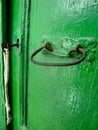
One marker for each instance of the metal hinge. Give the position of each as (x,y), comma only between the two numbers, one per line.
(7,45)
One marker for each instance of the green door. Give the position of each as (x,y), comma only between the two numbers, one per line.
(54,98)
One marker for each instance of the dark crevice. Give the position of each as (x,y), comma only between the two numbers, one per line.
(8,10)
(8,24)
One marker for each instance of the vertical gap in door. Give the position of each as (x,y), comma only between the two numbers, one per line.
(8,4)
(27,53)
(3,37)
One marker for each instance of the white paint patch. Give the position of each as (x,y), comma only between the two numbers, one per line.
(6,80)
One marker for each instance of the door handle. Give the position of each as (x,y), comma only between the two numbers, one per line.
(79,49)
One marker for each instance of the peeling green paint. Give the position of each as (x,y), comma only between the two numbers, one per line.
(61,49)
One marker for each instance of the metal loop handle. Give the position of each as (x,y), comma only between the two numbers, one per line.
(48,46)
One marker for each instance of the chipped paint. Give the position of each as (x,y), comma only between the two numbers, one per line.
(6,80)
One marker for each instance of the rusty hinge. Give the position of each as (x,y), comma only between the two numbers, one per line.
(7,45)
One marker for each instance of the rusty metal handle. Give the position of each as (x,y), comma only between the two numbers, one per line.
(79,49)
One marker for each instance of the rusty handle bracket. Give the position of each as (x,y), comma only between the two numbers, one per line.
(79,49)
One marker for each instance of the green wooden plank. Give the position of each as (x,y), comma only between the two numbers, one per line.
(16,25)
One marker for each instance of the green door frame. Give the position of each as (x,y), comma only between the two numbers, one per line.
(9,32)
(19,59)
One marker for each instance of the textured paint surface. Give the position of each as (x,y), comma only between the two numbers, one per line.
(64,98)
